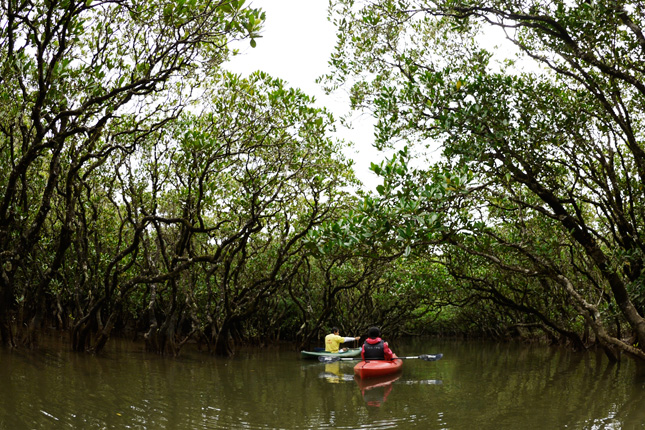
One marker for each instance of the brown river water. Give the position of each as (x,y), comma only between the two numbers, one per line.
(476,385)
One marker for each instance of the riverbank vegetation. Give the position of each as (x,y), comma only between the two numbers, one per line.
(146,191)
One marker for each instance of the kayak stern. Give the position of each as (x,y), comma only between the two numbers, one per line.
(377,368)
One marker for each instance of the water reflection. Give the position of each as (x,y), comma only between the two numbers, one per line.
(475,385)
(423,382)
(375,391)
(334,374)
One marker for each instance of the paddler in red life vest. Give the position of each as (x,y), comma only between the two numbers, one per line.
(374,347)
(333,340)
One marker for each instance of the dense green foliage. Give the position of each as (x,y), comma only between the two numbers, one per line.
(143,189)
(536,206)
(147,191)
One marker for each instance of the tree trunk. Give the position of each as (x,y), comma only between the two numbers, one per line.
(6,299)
(223,345)
(104,334)
(152,342)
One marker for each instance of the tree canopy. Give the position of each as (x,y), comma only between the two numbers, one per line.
(147,191)
(536,204)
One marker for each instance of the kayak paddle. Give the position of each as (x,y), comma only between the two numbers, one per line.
(424,357)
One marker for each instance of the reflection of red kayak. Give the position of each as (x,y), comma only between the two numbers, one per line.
(377,381)
(375,390)
(374,368)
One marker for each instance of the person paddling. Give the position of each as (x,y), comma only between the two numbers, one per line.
(333,340)
(375,348)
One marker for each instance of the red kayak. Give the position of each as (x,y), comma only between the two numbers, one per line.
(374,368)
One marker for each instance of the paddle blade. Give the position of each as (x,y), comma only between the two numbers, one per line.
(431,357)
(324,359)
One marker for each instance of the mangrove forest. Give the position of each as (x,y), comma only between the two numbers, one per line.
(147,192)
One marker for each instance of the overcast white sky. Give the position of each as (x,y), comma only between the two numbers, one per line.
(296,44)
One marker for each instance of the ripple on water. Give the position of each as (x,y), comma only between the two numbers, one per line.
(475,385)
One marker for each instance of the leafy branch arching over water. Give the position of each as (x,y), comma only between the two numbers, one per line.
(547,226)
(147,192)
(143,189)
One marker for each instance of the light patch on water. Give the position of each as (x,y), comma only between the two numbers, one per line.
(49,415)
(607,423)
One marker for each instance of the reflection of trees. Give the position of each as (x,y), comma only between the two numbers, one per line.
(484,386)
(511,385)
